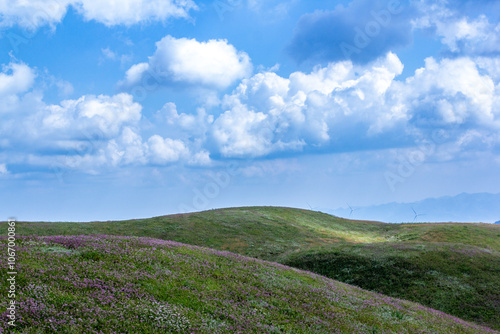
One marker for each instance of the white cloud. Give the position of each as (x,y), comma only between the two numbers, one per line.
(461,34)
(491,65)
(104,131)
(242,132)
(130,12)
(89,134)
(337,106)
(16,78)
(100,115)
(128,148)
(357,106)
(36,13)
(16,81)
(134,74)
(267,113)
(213,64)
(32,14)
(201,158)
(192,124)
(165,150)
(108,54)
(455,89)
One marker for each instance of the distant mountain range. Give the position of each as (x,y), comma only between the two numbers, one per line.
(479,207)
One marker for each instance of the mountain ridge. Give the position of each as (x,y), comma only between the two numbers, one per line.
(464,207)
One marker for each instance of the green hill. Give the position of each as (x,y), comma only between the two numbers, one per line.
(110,284)
(451,267)
(268,232)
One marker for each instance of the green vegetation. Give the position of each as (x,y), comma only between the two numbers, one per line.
(451,267)
(457,279)
(268,232)
(109,284)
(258,232)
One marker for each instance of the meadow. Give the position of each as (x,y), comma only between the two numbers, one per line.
(111,284)
(454,268)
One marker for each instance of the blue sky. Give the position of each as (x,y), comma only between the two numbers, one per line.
(115,110)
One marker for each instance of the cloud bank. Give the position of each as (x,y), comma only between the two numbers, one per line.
(342,106)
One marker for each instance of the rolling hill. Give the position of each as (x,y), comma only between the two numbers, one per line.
(451,267)
(97,284)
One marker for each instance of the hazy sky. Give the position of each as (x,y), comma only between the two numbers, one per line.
(136,108)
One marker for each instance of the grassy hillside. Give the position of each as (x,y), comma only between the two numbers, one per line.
(263,232)
(451,267)
(457,279)
(96,284)
(268,232)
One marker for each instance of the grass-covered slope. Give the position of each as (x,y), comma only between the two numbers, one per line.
(109,284)
(457,279)
(451,267)
(263,232)
(268,232)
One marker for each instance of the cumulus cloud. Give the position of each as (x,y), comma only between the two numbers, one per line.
(344,106)
(243,132)
(3,169)
(16,78)
(102,115)
(37,13)
(129,148)
(183,124)
(268,113)
(126,149)
(459,32)
(451,92)
(104,130)
(164,150)
(89,134)
(213,64)
(361,32)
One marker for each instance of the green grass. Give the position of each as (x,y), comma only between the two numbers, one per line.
(426,263)
(456,279)
(259,232)
(267,232)
(109,284)
(481,235)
